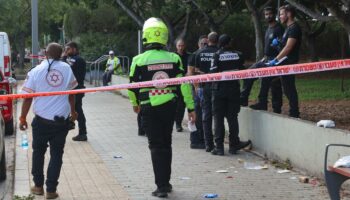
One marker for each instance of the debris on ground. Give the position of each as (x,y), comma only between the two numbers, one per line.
(184,178)
(222,171)
(229,177)
(282,164)
(210,196)
(116,157)
(283,171)
(253,166)
(240,160)
(304,179)
(326,124)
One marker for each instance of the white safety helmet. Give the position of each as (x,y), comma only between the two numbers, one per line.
(111,52)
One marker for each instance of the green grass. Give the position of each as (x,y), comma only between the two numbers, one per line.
(315,89)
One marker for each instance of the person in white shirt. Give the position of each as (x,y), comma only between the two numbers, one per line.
(50,124)
(112,67)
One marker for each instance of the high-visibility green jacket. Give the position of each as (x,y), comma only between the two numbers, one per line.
(116,65)
(153,65)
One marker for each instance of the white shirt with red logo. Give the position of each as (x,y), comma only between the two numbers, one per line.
(59,78)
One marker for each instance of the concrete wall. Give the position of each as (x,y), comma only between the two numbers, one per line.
(281,137)
(116,80)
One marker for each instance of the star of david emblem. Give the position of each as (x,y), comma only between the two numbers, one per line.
(157,33)
(54,77)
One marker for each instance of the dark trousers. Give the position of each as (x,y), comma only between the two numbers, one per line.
(226,104)
(107,77)
(197,137)
(207,119)
(289,89)
(47,132)
(141,130)
(81,117)
(158,123)
(180,111)
(276,89)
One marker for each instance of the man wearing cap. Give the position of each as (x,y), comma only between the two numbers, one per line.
(226,97)
(112,67)
(51,121)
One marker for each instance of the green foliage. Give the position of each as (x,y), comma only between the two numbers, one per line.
(76,21)
(315,89)
(94,44)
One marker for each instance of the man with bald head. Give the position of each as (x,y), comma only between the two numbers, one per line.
(202,66)
(51,122)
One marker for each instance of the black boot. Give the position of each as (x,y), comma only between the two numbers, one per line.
(161,193)
(80,137)
(217,151)
(241,145)
(258,106)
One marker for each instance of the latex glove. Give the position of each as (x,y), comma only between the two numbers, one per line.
(272,62)
(200,93)
(23,125)
(275,42)
(192,117)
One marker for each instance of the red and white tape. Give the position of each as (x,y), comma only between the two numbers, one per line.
(223,76)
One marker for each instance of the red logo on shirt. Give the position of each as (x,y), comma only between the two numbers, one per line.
(54,78)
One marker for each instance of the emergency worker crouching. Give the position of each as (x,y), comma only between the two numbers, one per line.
(158,104)
(226,97)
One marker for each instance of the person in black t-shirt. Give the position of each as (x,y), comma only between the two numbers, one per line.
(273,32)
(78,65)
(180,111)
(203,62)
(289,54)
(225,97)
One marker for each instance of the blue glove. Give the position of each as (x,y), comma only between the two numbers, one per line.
(272,62)
(275,42)
(200,93)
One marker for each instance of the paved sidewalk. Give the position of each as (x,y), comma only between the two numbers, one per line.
(115,164)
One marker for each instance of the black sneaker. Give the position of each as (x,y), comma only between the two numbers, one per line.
(241,145)
(197,146)
(80,138)
(258,106)
(209,148)
(219,152)
(160,193)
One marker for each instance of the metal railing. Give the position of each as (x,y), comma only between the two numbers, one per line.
(95,66)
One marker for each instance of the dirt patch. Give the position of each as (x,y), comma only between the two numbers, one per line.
(336,110)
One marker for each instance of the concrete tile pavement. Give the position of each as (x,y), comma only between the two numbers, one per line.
(84,176)
(112,131)
(116,164)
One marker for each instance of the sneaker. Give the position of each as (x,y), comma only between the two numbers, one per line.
(197,146)
(160,193)
(80,138)
(219,152)
(209,148)
(258,106)
(51,195)
(239,146)
(37,190)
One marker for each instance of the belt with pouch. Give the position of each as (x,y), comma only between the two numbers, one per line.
(58,121)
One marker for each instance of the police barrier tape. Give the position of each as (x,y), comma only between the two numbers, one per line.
(223,76)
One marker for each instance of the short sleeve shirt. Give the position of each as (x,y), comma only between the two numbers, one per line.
(293,31)
(59,78)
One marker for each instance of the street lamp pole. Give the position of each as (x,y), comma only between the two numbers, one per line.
(35,35)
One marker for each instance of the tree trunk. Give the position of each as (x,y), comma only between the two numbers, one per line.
(131,13)
(257,28)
